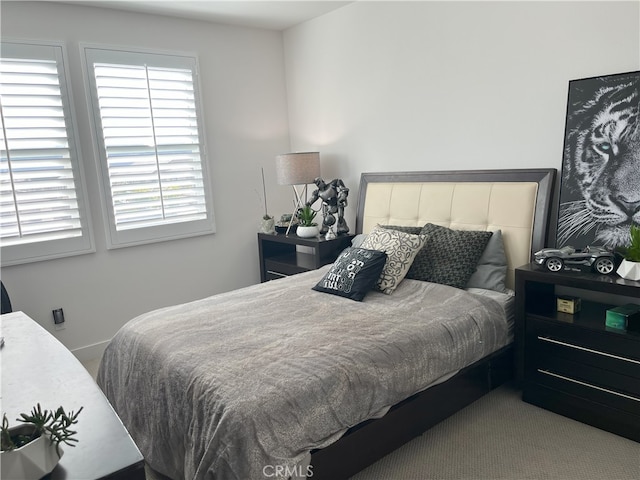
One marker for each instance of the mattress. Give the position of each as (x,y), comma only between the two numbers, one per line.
(237,384)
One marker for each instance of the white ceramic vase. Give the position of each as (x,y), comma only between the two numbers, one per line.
(629,270)
(31,461)
(307,232)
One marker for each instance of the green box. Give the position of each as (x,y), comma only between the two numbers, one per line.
(624,316)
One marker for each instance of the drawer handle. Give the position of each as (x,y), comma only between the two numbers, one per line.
(577,347)
(547,372)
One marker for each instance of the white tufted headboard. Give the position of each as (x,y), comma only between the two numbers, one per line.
(515,201)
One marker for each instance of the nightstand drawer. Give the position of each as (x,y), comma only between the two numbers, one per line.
(279,265)
(583,389)
(585,410)
(270,275)
(590,373)
(548,349)
(606,342)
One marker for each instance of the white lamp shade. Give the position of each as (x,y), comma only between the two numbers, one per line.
(297,168)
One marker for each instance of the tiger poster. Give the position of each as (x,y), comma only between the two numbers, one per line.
(600,187)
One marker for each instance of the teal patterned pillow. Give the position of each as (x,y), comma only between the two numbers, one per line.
(449,256)
(401,248)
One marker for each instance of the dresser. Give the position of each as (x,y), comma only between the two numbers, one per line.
(573,364)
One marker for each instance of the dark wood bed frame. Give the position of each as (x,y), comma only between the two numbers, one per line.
(369,441)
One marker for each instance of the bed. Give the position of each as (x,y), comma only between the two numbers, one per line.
(257,383)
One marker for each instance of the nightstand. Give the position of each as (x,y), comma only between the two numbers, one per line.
(280,257)
(573,364)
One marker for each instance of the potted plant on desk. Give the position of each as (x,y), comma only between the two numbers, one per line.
(630,266)
(307,228)
(32,450)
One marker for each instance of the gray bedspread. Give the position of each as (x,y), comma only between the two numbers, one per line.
(231,386)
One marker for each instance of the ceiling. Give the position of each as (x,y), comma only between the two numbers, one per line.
(273,15)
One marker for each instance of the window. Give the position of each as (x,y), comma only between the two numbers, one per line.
(149,133)
(42,209)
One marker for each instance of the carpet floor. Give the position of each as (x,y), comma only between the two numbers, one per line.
(501,437)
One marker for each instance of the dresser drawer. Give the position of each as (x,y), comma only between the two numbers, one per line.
(548,350)
(585,389)
(594,375)
(599,365)
(271,275)
(584,410)
(606,343)
(281,267)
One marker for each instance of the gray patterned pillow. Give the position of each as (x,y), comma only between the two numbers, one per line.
(491,271)
(358,239)
(401,248)
(405,229)
(449,256)
(412,231)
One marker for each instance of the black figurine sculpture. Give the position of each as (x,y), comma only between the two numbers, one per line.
(334,198)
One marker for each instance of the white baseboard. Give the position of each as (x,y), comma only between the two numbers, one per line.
(90,352)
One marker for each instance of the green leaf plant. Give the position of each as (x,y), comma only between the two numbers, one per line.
(55,424)
(631,252)
(306,215)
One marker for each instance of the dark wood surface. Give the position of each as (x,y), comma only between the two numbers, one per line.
(366,443)
(535,289)
(573,364)
(37,368)
(279,257)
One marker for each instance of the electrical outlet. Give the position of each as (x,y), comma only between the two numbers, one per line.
(58,319)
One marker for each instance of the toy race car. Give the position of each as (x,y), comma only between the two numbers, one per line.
(599,259)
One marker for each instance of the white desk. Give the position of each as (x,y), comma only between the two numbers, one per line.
(37,368)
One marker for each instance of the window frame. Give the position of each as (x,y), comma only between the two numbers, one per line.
(157,58)
(36,251)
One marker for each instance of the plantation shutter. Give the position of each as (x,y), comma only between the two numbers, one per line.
(146,111)
(39,190)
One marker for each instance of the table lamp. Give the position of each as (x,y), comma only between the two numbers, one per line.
(297,169)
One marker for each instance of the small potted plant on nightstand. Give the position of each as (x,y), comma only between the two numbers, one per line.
(32,450)
(307,228)
(630,266)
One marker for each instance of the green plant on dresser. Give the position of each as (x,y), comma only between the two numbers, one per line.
(630,266)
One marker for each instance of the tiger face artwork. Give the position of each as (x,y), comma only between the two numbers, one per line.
(600,193)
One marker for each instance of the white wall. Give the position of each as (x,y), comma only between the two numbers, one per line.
(242,78)
(374,86)
(386,86)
